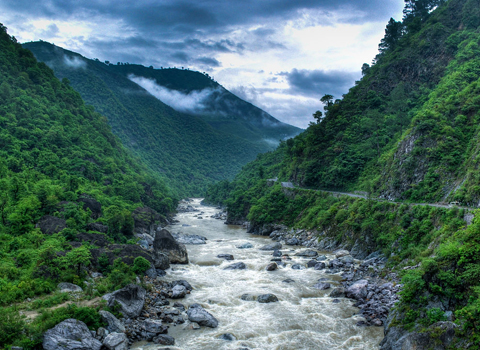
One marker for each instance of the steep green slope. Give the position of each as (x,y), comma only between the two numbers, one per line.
(407,131)
(220,108)
(185,149)
(60,163)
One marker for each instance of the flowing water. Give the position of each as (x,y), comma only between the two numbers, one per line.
(304,317)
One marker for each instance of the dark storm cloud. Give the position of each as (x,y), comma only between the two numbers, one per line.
(191,16)
(318,82)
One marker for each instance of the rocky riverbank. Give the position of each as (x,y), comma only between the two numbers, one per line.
(365,277)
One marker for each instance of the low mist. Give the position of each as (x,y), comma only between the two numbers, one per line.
(192,103)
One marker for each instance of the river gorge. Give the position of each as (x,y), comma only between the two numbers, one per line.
(303,318)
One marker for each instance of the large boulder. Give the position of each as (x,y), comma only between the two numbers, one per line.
(267,298)
(160,260)
(165,243)
(70,334)
(198,314)
(51,224)
(116,341)
(236,266)
(146,220)
(358,290)
(114,324)
(130,299)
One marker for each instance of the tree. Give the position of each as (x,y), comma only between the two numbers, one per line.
(393,32)
(318,116)
(365,68)
(327,100)
(417,12)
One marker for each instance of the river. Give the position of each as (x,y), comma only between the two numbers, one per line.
(303,318)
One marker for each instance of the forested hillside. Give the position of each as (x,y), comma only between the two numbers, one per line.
(188,151)
(62,173)
(407,131)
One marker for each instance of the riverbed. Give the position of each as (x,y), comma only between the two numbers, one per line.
(303,318)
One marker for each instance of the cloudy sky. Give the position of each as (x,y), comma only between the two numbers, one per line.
(281,55)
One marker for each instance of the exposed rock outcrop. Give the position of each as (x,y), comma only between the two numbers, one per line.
(130,299)
(70,334)
(165,243)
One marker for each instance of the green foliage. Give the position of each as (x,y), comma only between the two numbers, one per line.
(140,265)
(189,152)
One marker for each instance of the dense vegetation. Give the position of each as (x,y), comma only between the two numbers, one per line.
(407,131)
(188,151)
(56,154)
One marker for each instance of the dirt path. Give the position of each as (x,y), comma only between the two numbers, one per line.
(31,315)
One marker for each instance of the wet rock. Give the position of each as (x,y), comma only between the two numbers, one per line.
(70,334)
(272,246)
(338,292)
(292,241)
(320,266)
(347,259)
(178,292)
(321,258)
(267,298)
(308,253)
(154,326)
(248,297)
(227,337)
(358,290)
(298,267)
(179,306)
(189,239)
(276,259)
(225,256)
(341,253)
(335,301)
(51,224)
(312,263)
(165,243)
(160,273)
(198,314)
(164,339)
(195,325)
(114,324)
(245,246)
(116,341)
(151,273)
(182,283)
(236,266)
(65,287)
(288,280)
(131,300)
(322,286)
(277,253)
(271,267)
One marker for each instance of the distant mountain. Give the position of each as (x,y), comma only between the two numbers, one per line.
(210,136)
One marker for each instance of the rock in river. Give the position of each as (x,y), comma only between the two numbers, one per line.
(225,256)
(272,246)
(267,298)
(198,314)
(245,246)
(236,266)
(271,267)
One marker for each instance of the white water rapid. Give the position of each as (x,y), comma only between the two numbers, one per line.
(303,318)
